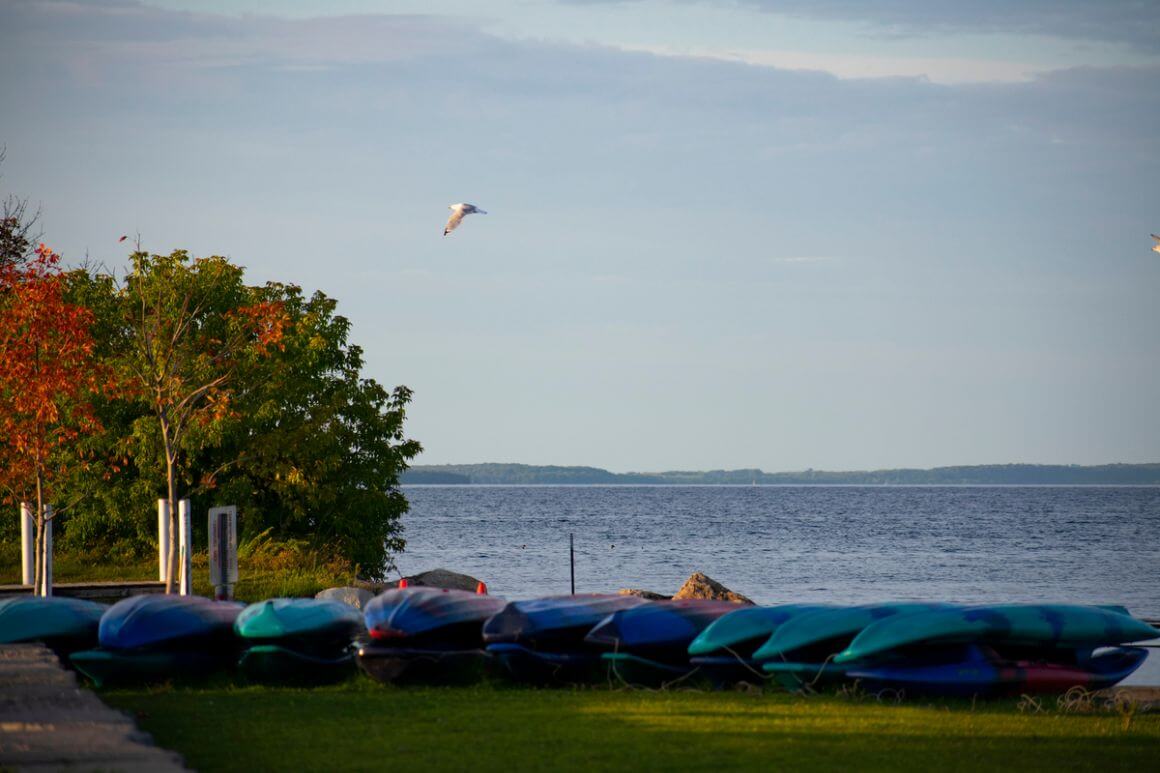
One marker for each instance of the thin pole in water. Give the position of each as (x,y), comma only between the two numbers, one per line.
(572,560)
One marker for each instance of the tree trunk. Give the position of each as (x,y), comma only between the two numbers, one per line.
(171,482)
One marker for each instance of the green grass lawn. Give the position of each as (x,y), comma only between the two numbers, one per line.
(361,725)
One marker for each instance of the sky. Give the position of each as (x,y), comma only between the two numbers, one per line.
(720,233)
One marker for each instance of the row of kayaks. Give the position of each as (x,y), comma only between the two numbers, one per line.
(431,635)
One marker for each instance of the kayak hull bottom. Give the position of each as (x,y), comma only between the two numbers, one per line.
(113,667)
(527,666)
(402,666)
(272,664)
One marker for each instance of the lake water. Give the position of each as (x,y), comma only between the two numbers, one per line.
(800,543)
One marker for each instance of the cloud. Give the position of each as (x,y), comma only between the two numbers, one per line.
(1131,22)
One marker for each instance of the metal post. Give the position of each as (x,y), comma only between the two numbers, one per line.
(223,551)
(46,589)
(162,539)
(27,545)
(183,544)
(572,560)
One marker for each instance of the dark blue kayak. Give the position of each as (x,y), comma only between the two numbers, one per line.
(163,621)
(430,617)
(973,669)
(60,622)
(554,623)
(660,631)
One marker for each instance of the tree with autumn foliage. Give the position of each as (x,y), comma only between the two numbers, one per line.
(47,382)
(192,325)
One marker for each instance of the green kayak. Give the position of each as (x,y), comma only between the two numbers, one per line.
(124,667)
(1039,625)
(271,664)
(827,631)
(743,630)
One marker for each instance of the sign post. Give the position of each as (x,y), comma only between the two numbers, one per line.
(46,580)
(184,543)
(162,539)
(223,551)
(27,544)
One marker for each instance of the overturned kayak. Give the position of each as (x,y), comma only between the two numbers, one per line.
(163,621)
(742,631)
(161,638)
(659,631)
(430,617)
(301,624)
(815,636)
(1036,625)
(298,641)
(971,669)
(555,622)
(61,623)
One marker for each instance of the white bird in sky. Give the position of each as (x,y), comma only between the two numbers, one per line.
(458,211)
(1156,246)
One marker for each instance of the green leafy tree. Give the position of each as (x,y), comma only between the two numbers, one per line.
(193,326)
(313,450)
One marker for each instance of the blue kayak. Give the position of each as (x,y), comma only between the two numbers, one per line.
(659,631)
(972,669)
(556,622)
(60,622)
(531,666)
(164,621)
(430,617)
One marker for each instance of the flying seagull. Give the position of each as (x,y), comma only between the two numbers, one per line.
(457,213)
(1156,246)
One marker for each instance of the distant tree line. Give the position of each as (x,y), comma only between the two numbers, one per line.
(987,474)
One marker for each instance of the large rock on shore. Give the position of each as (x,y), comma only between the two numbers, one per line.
(355,597)
(700,586)
(439,578)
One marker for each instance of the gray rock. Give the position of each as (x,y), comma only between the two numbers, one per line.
(700,586)
(355,597)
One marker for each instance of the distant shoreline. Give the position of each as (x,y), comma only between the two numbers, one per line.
(494,474)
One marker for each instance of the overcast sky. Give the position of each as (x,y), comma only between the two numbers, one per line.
(740,233)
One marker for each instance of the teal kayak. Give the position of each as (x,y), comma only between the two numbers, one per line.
(60,622)
(829,630)
(300,621)
(743,630)
(1039,625)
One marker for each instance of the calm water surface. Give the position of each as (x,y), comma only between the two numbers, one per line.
(800,543)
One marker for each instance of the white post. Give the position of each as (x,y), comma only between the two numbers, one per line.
(162,539)
(47,587)
(185,542)
(27,545)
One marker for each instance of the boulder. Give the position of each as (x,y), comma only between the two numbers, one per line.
(355,597)
(439,578)
(700,586)
(644,594)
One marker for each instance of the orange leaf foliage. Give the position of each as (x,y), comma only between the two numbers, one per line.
(47,372)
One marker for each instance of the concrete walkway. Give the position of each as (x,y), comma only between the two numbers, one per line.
(48,723)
